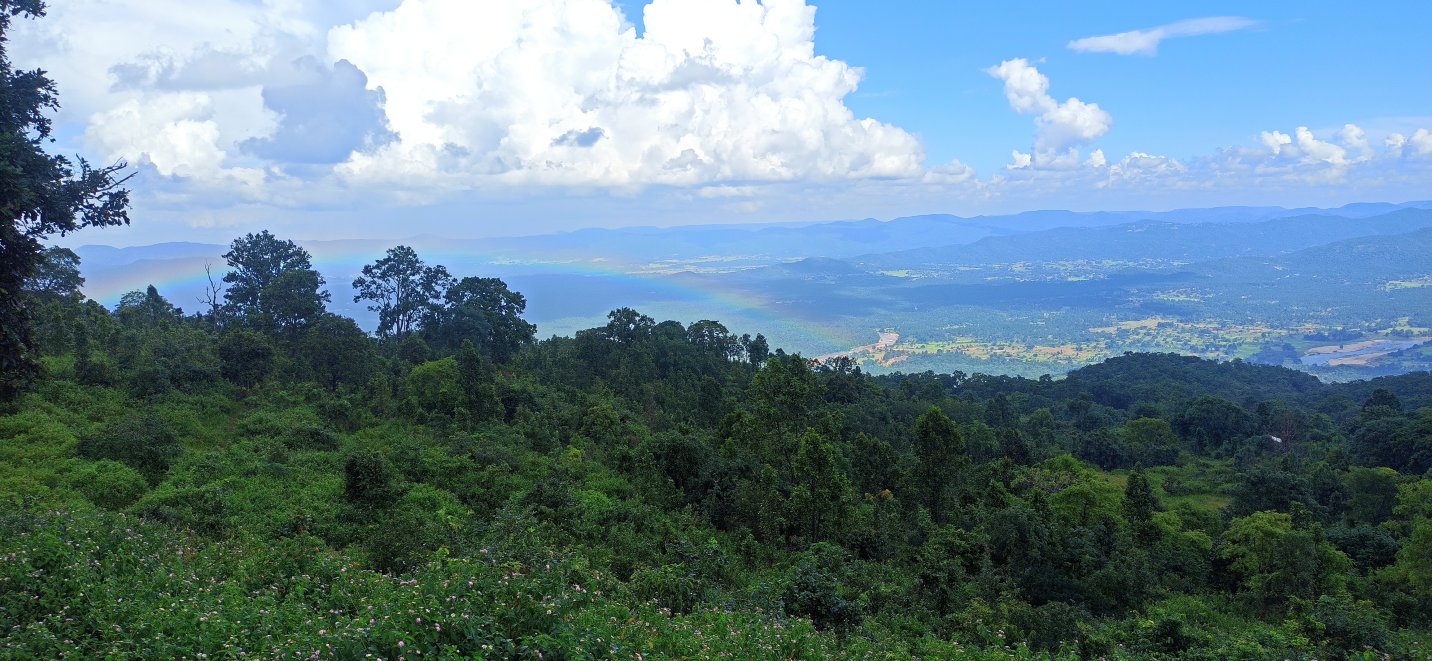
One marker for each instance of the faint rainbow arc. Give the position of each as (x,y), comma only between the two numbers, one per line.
(187,274)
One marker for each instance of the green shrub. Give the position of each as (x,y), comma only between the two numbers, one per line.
(1344,625)
(297,428)
(144,441)
(246,357)
(435,388)
(109,484)
(369,479)
(815,589)
(203,509)
(673,586)
(408,533)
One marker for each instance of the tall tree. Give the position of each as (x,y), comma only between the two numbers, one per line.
(1140,503)
(1012,445)
(40,195)
(941,450)
(146,308)
(57,275)
(1275,560)
(820,495)
(1151,441)
(402,290)
(1382,397)
(53,291)
(712,336)
(1211,423)
(757,349)
(475,377)
(627,326)
(485,311)
(293,300)
(272,283)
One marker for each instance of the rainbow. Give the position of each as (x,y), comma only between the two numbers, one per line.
(183,281)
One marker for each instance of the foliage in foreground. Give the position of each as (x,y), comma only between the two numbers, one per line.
(165,595)
(267,479)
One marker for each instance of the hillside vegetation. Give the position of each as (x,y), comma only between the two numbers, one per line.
(265,479)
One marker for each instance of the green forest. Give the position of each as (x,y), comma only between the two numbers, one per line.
(263,478)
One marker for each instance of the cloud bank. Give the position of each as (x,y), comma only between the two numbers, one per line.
(564,92)
(243,111)
(452,95)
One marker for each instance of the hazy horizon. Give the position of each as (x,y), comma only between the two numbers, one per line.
(1041,292)
(222,236)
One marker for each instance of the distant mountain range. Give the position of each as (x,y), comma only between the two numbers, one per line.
(1159,239)
(784,241)
(815,286)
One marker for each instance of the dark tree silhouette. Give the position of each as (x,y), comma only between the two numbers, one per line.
(40,195)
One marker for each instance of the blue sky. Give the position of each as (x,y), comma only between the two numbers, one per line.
(1319,64)
(478,117)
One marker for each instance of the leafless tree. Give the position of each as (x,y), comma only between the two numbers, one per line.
(213,296)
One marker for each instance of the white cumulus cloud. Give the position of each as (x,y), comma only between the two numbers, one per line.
(1146,41)
(1275,140)
(425,97)
(565,92)
(265,111)
(1059,126)
(953,172)
(1318,150)
(1334,153)
(1421,142)
(1139,163)
(1343,157)
(1019,160)
(1400,145)
(175,134)
(175,85)
(1355,138)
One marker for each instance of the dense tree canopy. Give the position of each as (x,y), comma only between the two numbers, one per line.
(645,481)
(272,284)
(43,195)
(57,275)
(486,312)
(405,292)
